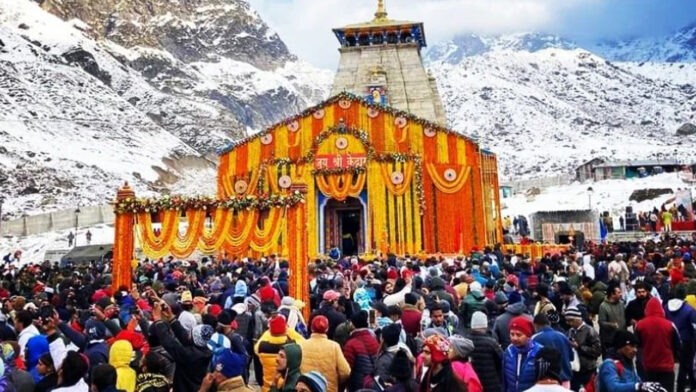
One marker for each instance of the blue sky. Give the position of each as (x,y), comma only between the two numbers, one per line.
(305,25)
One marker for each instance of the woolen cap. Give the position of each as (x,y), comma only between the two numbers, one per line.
(522,324)
(479,320)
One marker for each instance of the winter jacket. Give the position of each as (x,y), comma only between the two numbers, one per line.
(97,351)
(411,319)
(324,355)
(335,317)
(466,374)
(617,379)
(487,360)
(293,355)
(549,337)
(385,358)
(684,318)
(475,301)
(635,310)
(234,384)
(81,386)
(120,357)
(658,339)
(589,346)
(361,352)
(191,361)
(518,367)
(152,382)
(599,290)
(501,332)
(443,381)
(610,313)
(36,347)
(267,348)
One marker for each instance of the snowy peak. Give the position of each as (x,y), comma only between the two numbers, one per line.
(463,46)
(675,48)
(192,30)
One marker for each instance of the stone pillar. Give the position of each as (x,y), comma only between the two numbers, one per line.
(124,245)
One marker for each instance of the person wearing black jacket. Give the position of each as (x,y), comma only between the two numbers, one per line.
(329,310)
(191,355)
(487,357)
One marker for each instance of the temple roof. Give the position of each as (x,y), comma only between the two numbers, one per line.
(380,20)
(382,24)
(231,145)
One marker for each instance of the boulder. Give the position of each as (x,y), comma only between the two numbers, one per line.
(686,129)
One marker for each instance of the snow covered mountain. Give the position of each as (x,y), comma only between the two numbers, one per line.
(545,106)
(141,91)
(679,47)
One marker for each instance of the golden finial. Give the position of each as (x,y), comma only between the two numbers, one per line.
(381,13)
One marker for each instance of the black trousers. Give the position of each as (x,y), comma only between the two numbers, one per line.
(666,379)
(685,378)
(580,378)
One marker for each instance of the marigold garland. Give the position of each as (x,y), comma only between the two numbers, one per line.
(182,203)
(445,186)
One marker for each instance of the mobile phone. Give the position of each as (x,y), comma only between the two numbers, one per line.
(373,317)
(46,314)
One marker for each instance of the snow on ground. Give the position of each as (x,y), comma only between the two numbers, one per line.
(608,195)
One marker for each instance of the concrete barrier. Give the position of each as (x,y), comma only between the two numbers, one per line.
(57,221)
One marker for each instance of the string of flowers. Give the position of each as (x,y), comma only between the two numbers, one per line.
(184,203)
(352,97)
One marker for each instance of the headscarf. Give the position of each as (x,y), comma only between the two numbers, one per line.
(439,348)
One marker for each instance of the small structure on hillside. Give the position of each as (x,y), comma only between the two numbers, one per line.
(599,169)
(506,191)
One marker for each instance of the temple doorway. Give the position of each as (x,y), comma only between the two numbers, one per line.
(344,226)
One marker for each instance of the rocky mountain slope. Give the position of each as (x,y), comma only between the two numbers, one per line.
(142,91)
(545,107)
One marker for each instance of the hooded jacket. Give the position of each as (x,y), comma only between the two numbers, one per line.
(501,332)
(684,318)
(266,350)
(120,357)
(658,339)
(293,355)
(191,361)
(36,347)
(474,301)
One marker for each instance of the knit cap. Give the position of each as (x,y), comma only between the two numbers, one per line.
(479,320)
(277,325)
(201,334)
(320,324)
(462,346)
(230,364)
(522,324)
(314,380)
(573,312)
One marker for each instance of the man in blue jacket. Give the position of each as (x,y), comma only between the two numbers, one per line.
(549,337)
(518,359)
(618,374)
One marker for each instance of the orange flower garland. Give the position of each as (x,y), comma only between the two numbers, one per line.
(442,184)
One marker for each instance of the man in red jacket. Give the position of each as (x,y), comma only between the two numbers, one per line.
(658,342)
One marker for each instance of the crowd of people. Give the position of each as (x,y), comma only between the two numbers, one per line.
(616,317)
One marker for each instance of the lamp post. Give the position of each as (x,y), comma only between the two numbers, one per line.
(77,214)
(590,191)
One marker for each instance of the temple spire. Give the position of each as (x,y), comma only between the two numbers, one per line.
(381,14)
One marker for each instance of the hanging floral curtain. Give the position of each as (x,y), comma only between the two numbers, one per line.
(341,186)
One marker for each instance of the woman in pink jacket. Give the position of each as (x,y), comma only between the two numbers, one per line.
(460,348)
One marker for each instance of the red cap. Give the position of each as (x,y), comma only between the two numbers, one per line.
(522,324)
(320,324)
(215,310)
(277,325)
(392,274)
(266,293)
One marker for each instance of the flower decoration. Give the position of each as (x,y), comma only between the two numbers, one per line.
(429,132)
(341,143)
(372,112)
(284,182)
(397,178)
(450,175)
(267,138)
(294,126)
(318,114)
(183,203)
(241,186)
(344,103)
(400,121)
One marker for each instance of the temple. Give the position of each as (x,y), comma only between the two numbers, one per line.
(381,61)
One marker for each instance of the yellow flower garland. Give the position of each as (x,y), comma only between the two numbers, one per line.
(405,186)
(445,186)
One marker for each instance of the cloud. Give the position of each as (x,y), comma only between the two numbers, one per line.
(305,25)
